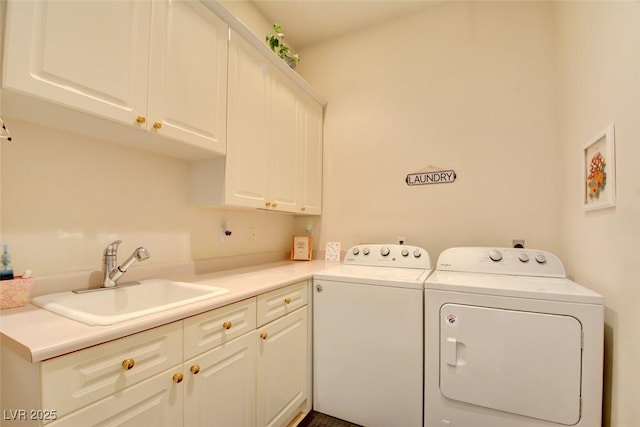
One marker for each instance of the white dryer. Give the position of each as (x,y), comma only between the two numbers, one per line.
(510,342)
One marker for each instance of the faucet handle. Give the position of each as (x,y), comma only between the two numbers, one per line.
(112,249)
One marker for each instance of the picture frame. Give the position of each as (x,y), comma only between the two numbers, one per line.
(301,248)
(599,171)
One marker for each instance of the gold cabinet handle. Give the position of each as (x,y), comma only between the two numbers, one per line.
(287,300)
(177,378)
(157,125)
(303,208)
(274,204)
(226,325)
(263,335)
(195,369)
(141,120)
(128,364)
(267,204)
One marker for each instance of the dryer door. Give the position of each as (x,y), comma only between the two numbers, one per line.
(519,362)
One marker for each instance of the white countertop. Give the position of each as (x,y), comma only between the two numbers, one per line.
(37,334)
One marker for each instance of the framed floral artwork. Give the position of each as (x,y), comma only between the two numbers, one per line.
(598,171)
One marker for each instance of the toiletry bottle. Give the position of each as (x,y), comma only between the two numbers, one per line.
(6,273)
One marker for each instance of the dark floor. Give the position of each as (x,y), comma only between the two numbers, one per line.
(316,419)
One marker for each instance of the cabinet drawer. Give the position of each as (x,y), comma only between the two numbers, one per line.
(156,402)
(77,379)
(279,302)
(213,328)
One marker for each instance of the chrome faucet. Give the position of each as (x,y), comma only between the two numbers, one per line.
(111,271)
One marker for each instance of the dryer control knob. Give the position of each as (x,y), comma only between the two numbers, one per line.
(355,251)
(384,251)
(541,259)
(405,252)
(365,251)
(495,255)
(417,253)
(523,257)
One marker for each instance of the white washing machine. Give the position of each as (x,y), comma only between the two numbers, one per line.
(368,336)
(510,342)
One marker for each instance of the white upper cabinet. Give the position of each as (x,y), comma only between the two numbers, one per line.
(188,74)
(310,116)
(262,146)
(248,128)
(159,67)
(93,56)
(274,141)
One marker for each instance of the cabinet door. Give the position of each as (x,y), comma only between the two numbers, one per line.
(157,401)
(91,56)
(282,369)
(248,131)
(310,158)
(188,74)
(283,158)
(220,387)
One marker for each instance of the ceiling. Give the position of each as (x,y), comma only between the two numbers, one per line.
(307,22)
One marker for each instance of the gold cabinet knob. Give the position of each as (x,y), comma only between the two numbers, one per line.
(195,369)
(226,325)
(141,119)
(274,204)
(263,335)
(128,364)
(287,300)
(157,125)
(303,208)
(267,204)
(177,378)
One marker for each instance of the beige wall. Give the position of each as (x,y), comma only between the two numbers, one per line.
(463,86)
(65,197)
(599,80)
(506,94)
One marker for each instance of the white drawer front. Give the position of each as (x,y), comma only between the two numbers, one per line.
(156,402)
(279,302)
(77,379)
(213,328)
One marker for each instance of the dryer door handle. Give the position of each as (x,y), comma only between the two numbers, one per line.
(451,352)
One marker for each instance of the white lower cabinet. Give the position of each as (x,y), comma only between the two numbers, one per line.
(282,369)
(220,371)
(212,369)
(220,385)
(157,401)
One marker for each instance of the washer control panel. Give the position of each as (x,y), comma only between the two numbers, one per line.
(391,255)
(512,261)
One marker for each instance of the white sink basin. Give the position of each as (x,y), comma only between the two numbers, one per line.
(126,302)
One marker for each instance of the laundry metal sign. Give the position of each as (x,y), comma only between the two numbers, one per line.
(438,176)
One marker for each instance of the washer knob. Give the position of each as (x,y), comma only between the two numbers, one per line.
(523,257)
(405,252)
(355,251)
(384,251)
(541,259)
(365,251)
(495,255)
(417,253)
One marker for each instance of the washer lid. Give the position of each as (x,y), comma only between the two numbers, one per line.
(544,288)
(412,278)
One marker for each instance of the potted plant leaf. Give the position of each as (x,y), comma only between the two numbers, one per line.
(277,44)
